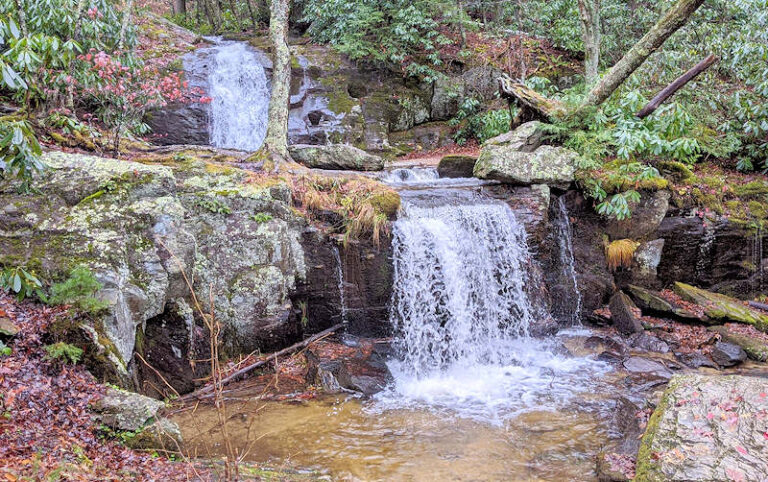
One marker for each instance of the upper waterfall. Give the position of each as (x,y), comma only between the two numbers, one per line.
(240,93)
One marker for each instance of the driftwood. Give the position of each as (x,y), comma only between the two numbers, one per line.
(202,393)
(676,85)
(533,106)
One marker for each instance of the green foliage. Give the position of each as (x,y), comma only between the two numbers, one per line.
(64,352)
(476,124)
(261,217)
(214,205)
(396,32)
(21,282)
(19,152)
(5,350)
(78,290)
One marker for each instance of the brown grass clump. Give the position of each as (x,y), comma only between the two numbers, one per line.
(619,253)
(365,206)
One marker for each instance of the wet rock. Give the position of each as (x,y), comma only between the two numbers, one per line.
(624,314)
(626,423)
(719,308)
(338,156)
(526,138)
(646,342)
(652,303)
(162,434)
(647,216)
(549,165)
(613,467)
(332,376)
(728,354)
(696,359)
(645,366)
(754,348)
(367,385)
(707,428)
(456,165)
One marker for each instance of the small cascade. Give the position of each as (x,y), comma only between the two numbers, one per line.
(238,87)
(340,279)
(757,258)
(564,233)
(410,175)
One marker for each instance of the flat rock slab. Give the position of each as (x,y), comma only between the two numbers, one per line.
(720,308)
(706,428)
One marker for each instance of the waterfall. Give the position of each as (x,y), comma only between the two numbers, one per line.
(564,233)
(340,280)
(410,175)
(757,257)
(458,284)
(238,87)
(461,314)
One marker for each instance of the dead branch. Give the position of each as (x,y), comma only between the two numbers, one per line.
(676,85)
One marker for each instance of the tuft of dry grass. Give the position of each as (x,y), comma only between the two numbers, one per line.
(364,205)
(619,253)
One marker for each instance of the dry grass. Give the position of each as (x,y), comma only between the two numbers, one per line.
(364,205)
(619,253)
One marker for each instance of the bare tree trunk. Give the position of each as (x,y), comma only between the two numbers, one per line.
(589,15)
(678,83)
(460,8)
(213,12)
(180,7)
(126,21)
(22,18)
(76,38)
(254,20)
(656,36)
(277,128)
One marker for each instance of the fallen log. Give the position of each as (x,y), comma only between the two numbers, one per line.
(759,306)
(201,393)
(676,85)
(533,106)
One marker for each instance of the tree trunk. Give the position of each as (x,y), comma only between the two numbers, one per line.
(533,106)
(252,13)
(589,15)
(277,128)
(22,18)
(670,90)
(672,20)
(180,7)
(124,25)
(213,12)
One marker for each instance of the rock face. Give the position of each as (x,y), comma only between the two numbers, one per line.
(455,165)
(728,354)
(707,428)
(719,308)
(549,165)
(336,156)
(140,228)
(646,218)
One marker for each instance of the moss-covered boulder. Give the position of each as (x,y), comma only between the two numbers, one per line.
(720,308)
(149,233)
(707,428)
(755,348)
(456,165)
(336,156)
(652,303)
(554,166)
(526,138)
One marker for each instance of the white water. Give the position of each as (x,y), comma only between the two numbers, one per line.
(564,231)
(238,87)
(462,316)
(340,280)
(410,175)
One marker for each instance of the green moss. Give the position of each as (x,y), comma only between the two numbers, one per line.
(387,202)
(752,190)
(708,201)
(646,470)
(758,209)
(675,170)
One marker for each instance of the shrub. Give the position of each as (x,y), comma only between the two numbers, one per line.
(21,282)
(78,290)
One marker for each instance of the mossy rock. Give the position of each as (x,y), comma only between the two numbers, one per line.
(720,308)
(677,171)
(755,349)
(653,303)
(757,190)
(386,202)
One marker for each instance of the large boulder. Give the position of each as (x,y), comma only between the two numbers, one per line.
(549,165)
(456,165)
(707,428)
(446,94)
(150,233)
(526,138)
(720,308)
(647,216)
(336,156)
(653,303)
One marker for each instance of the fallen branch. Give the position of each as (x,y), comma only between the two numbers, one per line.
(759,306)
(676,85)
(239,373)
(533,106)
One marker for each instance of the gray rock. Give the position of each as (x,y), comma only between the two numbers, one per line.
(446,94)
(8,328)
(332,376)
(623,315)
(162,434)
(526,138)
(456,165)
(123,410)
(707,428)
(646,260)
(646,366)
(652,303)
(728,354)
(696,359)
(549,165)
(482,81)
(646,342)
(336,156)
(647,216)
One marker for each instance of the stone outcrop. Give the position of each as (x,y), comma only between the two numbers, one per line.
(707,428)
(456,165)
(526,138)
(624,314)
(720,308)
(149,233)
(554,166)
(336,156)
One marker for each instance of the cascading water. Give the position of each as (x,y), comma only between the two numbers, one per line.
(462,315)
(410,175)
(340,279)
(240,98)
(564,232)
